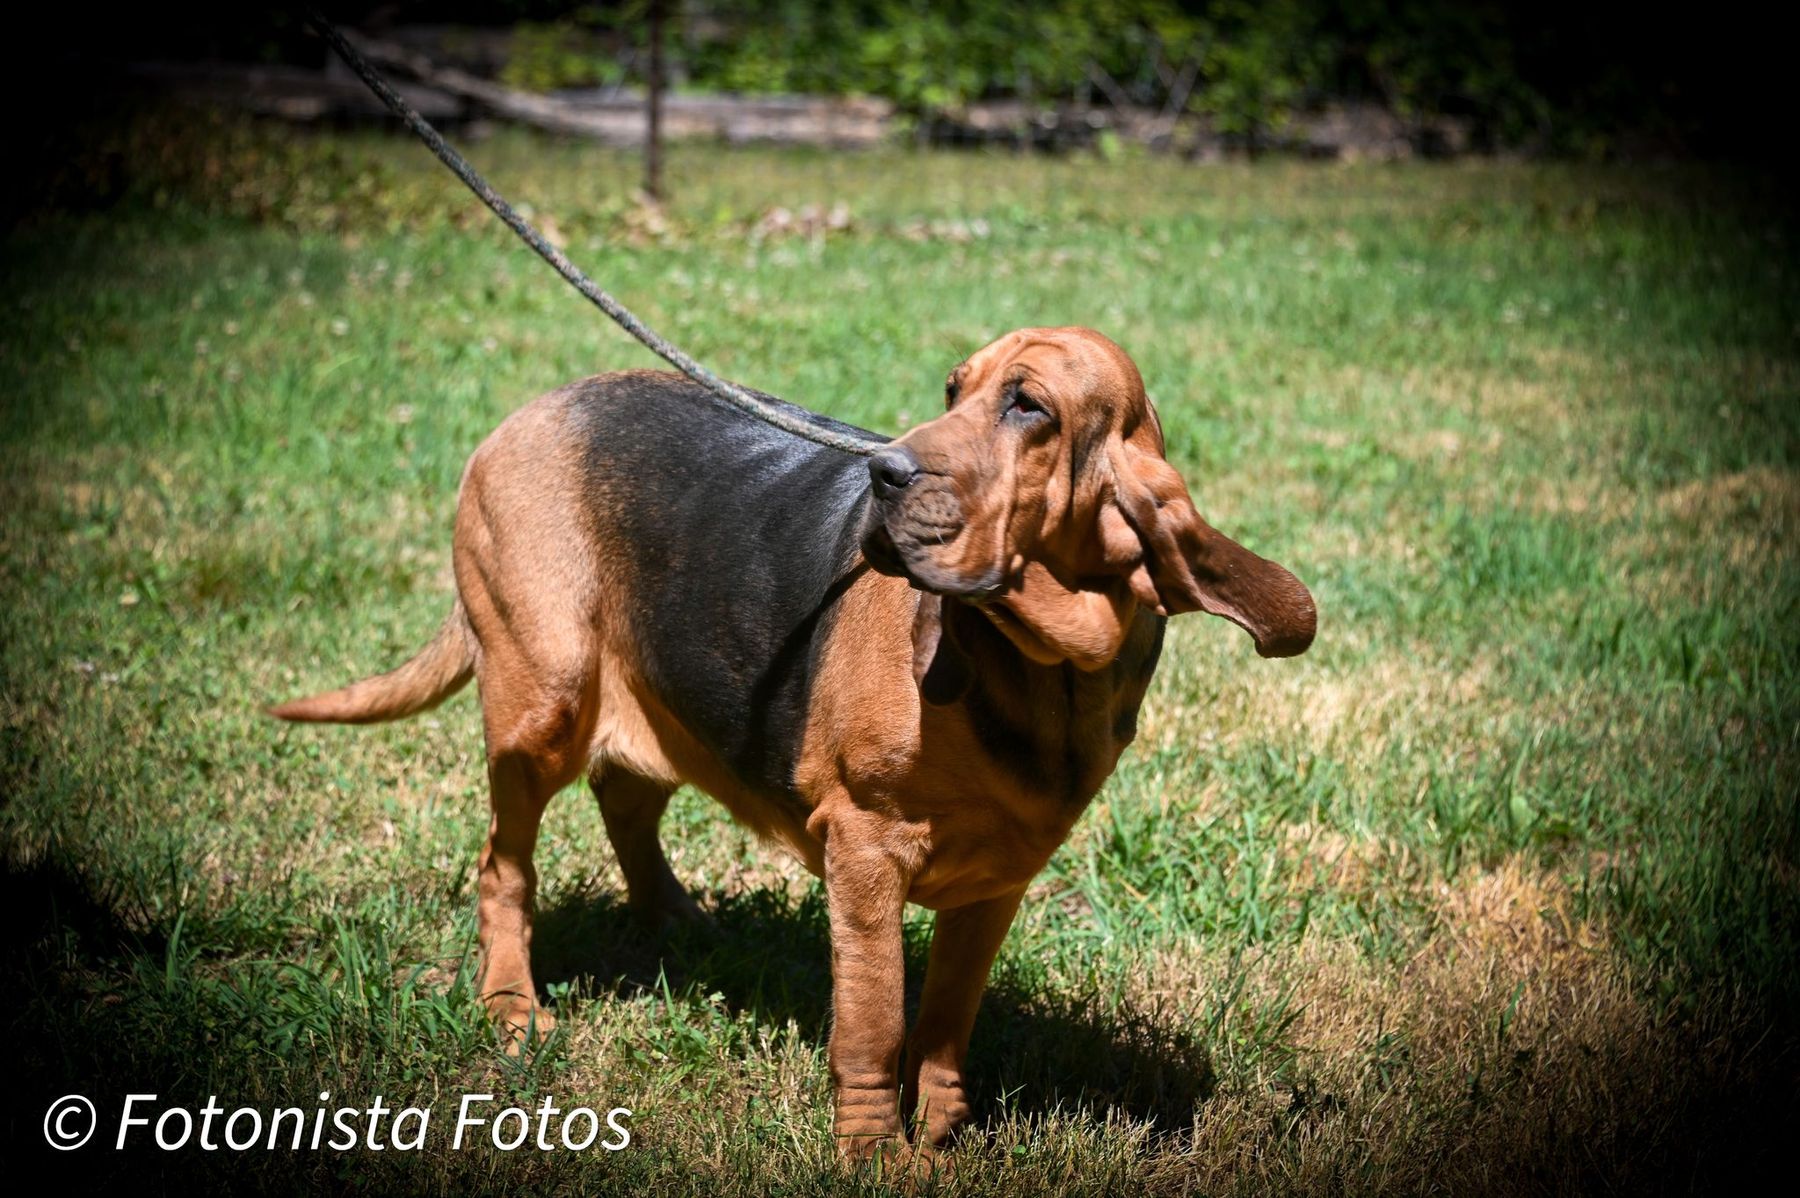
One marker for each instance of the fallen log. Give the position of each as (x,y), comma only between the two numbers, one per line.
(541,111)
(616,115)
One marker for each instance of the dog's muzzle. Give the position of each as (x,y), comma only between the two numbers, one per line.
(908,518)
(892,470)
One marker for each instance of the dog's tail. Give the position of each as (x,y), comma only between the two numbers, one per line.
(435,673)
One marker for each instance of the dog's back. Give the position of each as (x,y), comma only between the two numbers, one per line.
(731,540)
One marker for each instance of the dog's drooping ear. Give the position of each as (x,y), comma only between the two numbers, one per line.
(939,665)
(1176,562)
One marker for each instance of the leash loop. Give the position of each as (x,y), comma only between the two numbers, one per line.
(782,417)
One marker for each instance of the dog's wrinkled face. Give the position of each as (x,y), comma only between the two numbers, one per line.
(1043,495)
(1002,471)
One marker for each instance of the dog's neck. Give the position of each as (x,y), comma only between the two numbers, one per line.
(1051,621)
(1058,728)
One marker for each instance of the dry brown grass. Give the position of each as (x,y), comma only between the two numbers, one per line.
(1513,1053)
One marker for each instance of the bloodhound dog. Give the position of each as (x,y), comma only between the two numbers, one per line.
(913,669)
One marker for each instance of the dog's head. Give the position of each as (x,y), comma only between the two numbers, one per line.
(1043,496)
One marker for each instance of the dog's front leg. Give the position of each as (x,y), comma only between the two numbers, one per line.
(865,889)
(963,946)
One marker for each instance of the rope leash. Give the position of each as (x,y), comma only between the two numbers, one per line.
(731,393)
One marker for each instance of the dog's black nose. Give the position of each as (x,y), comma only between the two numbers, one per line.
(893,468)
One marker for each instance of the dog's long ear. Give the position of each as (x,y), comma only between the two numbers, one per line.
(940,667)
(1176,562)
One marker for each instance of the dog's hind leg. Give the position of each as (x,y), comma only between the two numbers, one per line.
(525,570)
(537,737)
(632,806)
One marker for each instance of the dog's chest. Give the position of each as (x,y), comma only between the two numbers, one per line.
(1013,766)
(1055,732)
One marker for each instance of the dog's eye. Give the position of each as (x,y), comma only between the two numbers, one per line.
(1020,407)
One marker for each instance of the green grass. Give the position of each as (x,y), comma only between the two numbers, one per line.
(1496,889)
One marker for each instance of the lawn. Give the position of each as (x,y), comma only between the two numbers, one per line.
(1497,889)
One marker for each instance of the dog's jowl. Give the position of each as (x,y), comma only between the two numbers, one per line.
(913,669)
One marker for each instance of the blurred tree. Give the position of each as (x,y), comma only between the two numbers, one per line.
(653,96)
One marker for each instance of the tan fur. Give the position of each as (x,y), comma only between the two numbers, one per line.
(436,672)
(900,799)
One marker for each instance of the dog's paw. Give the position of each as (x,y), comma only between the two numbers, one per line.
(673,908)
(682,908)
(908,1168)
(925,1162)
(519,1018)
(885,1150)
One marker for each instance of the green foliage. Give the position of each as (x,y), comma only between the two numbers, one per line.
(1259,58)
(1549,77)
(1248,66)
(550,55)
(938,56)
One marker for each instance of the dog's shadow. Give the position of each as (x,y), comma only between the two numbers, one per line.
(1035,1050)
